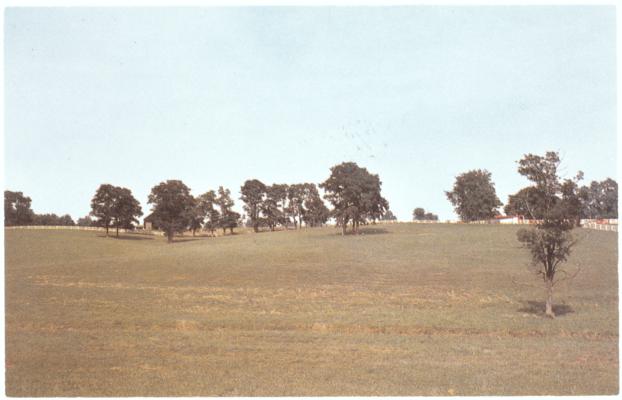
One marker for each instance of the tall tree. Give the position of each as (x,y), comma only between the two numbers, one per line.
(315,211)
(473,196)
(296,196)
(354,194)
(600,199)
(208,206)
(17,209)
(550,242)
(85,221)
(253,193)
(126,209)
(419,214)
(102,205)
(172,207)
(228,217)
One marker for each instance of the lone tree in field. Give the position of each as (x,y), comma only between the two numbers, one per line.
(172,207)
(125,210)
(253,193)
(17,209)
(102,205)
(550,242)
(474,197)
(354,194)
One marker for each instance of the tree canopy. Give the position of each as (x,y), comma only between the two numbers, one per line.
(172,206)
(354,194)
(474,197)
(17,209)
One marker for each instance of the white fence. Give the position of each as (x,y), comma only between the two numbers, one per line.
(600,227)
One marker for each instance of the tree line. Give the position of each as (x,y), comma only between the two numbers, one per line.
(474,198)
(352,191)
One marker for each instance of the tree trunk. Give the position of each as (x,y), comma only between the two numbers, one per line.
(549,299)
(231,230)
(193,231)
(117,230)
(344,226)
(224,231)
(106,230)
(255,228)
(169,236)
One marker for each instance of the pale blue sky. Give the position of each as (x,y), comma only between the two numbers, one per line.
(214,96)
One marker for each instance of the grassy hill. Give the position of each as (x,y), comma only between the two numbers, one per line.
(403,309)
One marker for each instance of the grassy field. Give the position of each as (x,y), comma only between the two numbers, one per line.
(403,309)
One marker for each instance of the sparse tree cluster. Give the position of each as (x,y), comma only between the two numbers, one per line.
(283,205)
(114,206)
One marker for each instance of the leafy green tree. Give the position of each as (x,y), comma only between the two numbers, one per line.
(272,214)
(389,216)
(430,217)
(228,217)
(278,194)
(527,202)
(474,197)
(600,199)
(354,194)
(550,242)
(17,209)
(418,214)
(208,204)
(296,196)
(253,193)
(172,207)
(102,205)
(53,220)
(315,211)
(85,221)
(126,209)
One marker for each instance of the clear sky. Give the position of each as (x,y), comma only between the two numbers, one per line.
(214,96)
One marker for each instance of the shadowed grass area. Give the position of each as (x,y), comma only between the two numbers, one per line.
(417,309)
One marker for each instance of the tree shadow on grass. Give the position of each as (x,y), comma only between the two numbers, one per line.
(129,237)
(538,307)
(363,231)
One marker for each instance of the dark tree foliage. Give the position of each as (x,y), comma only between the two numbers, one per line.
(253,193)
(550,242)
(172,207)
(270,210)
(296,196)
(228,218)
(600,199)
(527,202)
(86,221)
(474,197)
(389,216)
(53,220)
(102,205)
(126,209)
(17,209)
(419,214)
(278,194)
(354,194)
(207,203)
(315,211)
